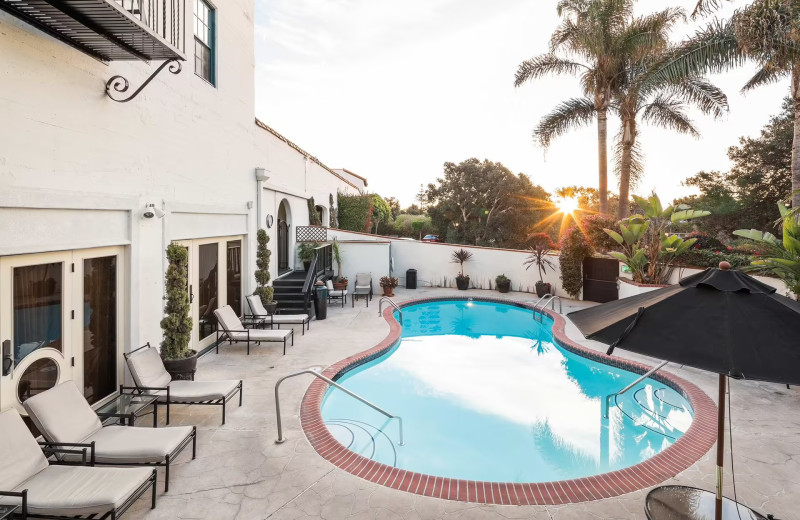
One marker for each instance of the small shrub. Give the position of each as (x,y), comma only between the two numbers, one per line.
(593,226)
(389,281)
(705,241)
(501,279)
(573,249)
(707,258)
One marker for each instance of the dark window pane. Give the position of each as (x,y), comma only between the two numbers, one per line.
(37,295)
(235,275)
(40,376)
(99,327)
(207,288)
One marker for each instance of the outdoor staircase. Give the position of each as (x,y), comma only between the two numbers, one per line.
(289,293)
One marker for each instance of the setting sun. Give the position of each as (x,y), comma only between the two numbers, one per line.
(567,205)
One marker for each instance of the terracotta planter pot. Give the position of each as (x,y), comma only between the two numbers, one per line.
(388,291)
(462,283)
(339,286)
(182,369)
(542,289)
(504,287)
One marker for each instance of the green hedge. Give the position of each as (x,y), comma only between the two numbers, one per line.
(355,212)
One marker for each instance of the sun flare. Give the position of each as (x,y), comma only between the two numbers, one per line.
(567,205)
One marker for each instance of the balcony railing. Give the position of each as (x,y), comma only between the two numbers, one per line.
(110,29)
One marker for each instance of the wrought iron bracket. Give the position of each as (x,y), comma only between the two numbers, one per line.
(120,84)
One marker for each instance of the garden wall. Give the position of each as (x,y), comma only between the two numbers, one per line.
(434,268)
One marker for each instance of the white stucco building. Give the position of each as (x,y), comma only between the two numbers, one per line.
(93,190)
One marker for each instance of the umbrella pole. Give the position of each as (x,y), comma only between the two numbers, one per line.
(723,379)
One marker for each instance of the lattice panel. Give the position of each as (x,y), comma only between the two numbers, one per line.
(311,234)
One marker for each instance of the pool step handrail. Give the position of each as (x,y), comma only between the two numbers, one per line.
(549,299)
(644,376)
(316,374)
(393,304)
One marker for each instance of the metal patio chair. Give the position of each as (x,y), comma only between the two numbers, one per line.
(62,415)
(44,490)
(151,377)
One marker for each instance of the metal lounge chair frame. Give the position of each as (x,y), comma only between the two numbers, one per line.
(269,319)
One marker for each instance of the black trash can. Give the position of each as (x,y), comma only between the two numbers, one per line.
(411,279)
(321,302)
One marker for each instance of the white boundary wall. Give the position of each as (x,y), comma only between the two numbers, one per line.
(434,268)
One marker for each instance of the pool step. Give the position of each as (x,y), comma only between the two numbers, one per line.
(649,409)
(365,439)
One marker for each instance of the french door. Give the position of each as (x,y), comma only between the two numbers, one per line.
(215,267)
(61,319)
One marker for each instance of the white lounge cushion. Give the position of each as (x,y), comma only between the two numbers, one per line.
(126,444)
(81,490)
(288,318)
(256,307)
(147,368)
(363,280)
(62,414)
(197,391)
(261,335)
(228,319)
(20,455)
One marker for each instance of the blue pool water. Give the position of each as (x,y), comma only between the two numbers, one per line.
(485,394)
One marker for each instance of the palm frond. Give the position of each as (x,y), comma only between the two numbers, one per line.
(707,97)
(573,113)
(647,34)
(765,75)
(544,65)
(705,7)
(714,48)
(667,112)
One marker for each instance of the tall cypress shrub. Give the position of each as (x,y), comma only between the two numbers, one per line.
(177,321)
(263,255)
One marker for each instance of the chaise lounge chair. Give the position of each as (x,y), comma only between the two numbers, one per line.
(260,315)
(62,415)
(233,330)
(151,377)
(44,490)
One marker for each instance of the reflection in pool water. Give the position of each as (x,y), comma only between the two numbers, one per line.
(485,394)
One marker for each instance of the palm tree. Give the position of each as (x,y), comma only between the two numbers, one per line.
(659,103)
(766,32)
(588,43)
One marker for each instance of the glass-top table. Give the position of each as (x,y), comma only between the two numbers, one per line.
(7,511)
(688,503)
(127,407)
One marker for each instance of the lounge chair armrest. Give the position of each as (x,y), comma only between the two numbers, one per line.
(23,497)
(85,450)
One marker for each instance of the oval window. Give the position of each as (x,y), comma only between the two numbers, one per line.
(40,376)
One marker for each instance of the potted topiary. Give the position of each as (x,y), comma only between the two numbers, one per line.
(541,248)
(459,257)
(306,252)
(503,283)
(179,360)
(389,283)
(339,281)
(264,291)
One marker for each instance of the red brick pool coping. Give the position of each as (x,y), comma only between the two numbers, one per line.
(687,450)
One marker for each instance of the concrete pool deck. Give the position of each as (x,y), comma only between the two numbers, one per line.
(240,473)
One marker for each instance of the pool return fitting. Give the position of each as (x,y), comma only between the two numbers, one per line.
(316,374)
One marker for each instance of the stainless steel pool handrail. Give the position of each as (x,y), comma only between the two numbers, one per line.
(639,380)
(393,304)
(314,373)
(551,299)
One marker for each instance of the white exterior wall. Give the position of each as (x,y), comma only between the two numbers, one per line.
(77,169)
(432,262)
(364,257)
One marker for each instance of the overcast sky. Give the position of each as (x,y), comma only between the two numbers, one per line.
(392,90)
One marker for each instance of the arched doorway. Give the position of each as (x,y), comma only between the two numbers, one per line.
(284,221)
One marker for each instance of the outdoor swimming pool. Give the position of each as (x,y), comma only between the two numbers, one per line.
(486,394)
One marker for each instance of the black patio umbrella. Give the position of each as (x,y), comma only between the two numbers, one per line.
(719,320)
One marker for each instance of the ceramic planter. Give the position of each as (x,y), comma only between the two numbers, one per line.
(542,289)
(182,369)
(504,287)
(388,291)
(462,283)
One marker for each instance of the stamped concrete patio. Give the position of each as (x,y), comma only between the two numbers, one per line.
(240,473)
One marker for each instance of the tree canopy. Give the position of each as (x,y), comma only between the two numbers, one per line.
(484,203)
(760,177)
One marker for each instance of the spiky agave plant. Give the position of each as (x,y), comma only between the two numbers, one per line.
(460,256)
